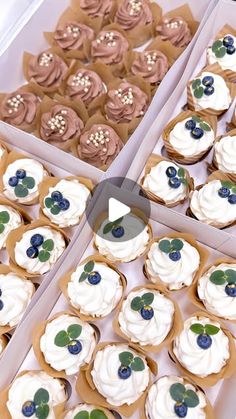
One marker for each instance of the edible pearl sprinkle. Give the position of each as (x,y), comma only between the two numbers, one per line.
(151,59)
(14,103)
(135,7)
(173,25)
(71,30)
(126,98)
(45,59)
(80,80)
(58,122)
(99,138)
(108,39)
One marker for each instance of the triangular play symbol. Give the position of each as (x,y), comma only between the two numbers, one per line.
(117,209)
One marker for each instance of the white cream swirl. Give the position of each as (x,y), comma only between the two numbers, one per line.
(209,207)
(95,300)
(227,62)
(24,388)
(156,181)
(214,296)
(147,332)
(225,154)
(198,361)
(159,403)
(14,222)
(35,266)
(126,249)
(16,294)
(85,407)
(33,169)
(59,357)
(107,381)
(219,100)
(77,194)
(175,274)
(182,141)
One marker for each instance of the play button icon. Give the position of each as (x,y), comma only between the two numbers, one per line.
(117,209)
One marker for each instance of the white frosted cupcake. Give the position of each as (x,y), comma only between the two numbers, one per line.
(223,52)
(68,343)
(10,219)
(33,392)
(125,369)
(172,260)
(15,296)
(225,154)
(172,397)
(89,410)
(146,316)
(217,290)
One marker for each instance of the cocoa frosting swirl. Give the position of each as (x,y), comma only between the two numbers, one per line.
(60,124)
(72,35)
(109,47)
(132,13)
(100,145)
(150,65)
(126,103)
(19,108)
(47,69)
(96,8)
(85,85)
(175,30)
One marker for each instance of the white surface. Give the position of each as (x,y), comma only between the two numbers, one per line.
(116,209)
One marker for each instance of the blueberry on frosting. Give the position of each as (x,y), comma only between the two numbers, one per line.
(46,247)
(38,406)
(204,333)
(184,399)
(88,273)
(143,305)
(172,248)
(129,364)
(228,190)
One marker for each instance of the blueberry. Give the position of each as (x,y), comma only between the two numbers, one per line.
(21,174)
(32,252)
(228,41)
(56,196)
(36,240)
(204,341)
(209,90)
(230,50)
(230,290)
(175,256)
(74,347)
(147,312)
(124,372)
(232,198)
(13,181)
(181,409)
(197,133)
(171,171)
(174,182)
(190,124)
(223,192)
(64,204)
(28,409)
(1,305)
(207,81)
(94,278)
(118,231)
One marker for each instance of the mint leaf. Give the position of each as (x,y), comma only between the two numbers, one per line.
(42,411)
(231,276)
(197,328)
(177,392)
(29,182)
(137,364)
(21,191)
(126,358)
(165,246)
(41,396)
(43,256)
(205,126)
(177,244)
(181,172)
(48,245)
(74,331)
(147,298)
(83,276)
(55,210)
(220,53)
(191,398)
(97,414)
(218,277)
(136,304)
(108,227)
(4,217)
(61,339)
(196,118)
(89,266)
(211,330)
(227,184)
(199,92)
(82,415)
(196,83)
(2,228)
(117,222)
(216,45)
(48,202)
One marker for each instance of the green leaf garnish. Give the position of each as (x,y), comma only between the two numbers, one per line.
(74,331)
(48,245)
(227,184)
(48,202)
(29,182)
(4,217)
(108,227)
(136,304)
(177,392)
(230,276)
(199,92)
(181,172)
(126,358)
(196,118)
(137,364)
(205,126)
(191,398)
(211,330)
(2,228)
(89,266)
(165,246)
(42,411)
(117,222)
(41,396)
(83,276)
(82,415)
(218,277)
(216,45)
(62,339)
(177,244)
(196,83)
(233,189)
(197,328)
(43,256)
(21,191)
(184,181)
(55,210)
(97,414)
(147,298)
(220,53)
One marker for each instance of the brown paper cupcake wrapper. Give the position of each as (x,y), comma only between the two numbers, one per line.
(4,412)
(214,165)
(75,5)
(25,216)
(233,122)
(203,253)
(39,331)
(152,161)
(226,372)
(214,68)
(193,293)
(5,152)
(4,341)
(11,157)
(174,154)
(109,414)
(16,236)
(88,392)
(66,279)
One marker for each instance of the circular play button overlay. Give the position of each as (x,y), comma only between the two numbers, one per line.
(121,210)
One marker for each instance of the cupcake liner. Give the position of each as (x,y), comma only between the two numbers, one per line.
(66,279)
(88,392)
(226,372)
(174,154)
(4,412)
(4,339)
(152,161)
(25,216)
(79,17)
(11,157)
(175,330)
(203,253)
(214,68)
(214,165)
(233,122)
(16,236)
(75,5)
(193,294)
(38,332)
(5,152)
(110,414)
(46,106)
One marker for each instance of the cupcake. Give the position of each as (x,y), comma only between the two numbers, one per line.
(16,293)
(97,8)
(174,261)
(72,36)
(113,241)
(63,201)
(151,65)
(85,85)
(223,52)
(165,182)
(224,157)
(35,394)
(174,30)
(21,179)
(3,343)
(65,343)
(89,411)
(175,397)
(10,219)
(109,46)
(94,288)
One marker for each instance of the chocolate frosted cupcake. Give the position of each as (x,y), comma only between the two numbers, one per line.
(151,65)
(96,8)
(109,47)
(175,30)
(86,85)
(73,35)
(133,13)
